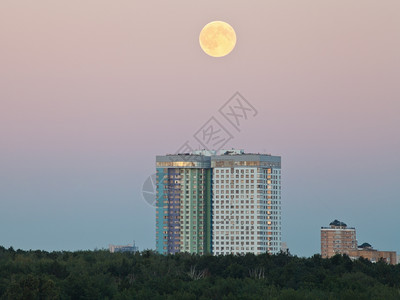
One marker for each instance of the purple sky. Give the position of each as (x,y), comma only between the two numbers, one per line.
(91,91)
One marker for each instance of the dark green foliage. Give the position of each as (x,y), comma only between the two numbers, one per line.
(147,275)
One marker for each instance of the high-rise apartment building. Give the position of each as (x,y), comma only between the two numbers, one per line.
(222,204)
(246,203)
(183,213)
(337,239)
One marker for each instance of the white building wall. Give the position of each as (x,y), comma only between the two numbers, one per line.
(246,210)
(269,190)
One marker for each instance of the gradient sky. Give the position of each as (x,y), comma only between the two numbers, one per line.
(91,91)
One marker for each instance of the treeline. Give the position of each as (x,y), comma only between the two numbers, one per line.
(147,275)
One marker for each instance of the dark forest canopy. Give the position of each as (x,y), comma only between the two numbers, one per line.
(147,275)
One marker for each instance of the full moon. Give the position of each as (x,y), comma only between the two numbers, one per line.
(217,39)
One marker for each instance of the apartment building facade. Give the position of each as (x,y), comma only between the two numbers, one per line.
(226,203)
(367,251)
(246,203)
(337,239)
(183,204)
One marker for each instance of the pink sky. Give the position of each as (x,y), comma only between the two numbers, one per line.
(91,91)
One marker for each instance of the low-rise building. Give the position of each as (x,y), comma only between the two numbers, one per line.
(123,248)
(366,251)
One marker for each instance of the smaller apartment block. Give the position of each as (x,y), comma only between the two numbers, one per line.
(366,251)
(123,248)
(337,239)
(340,239)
